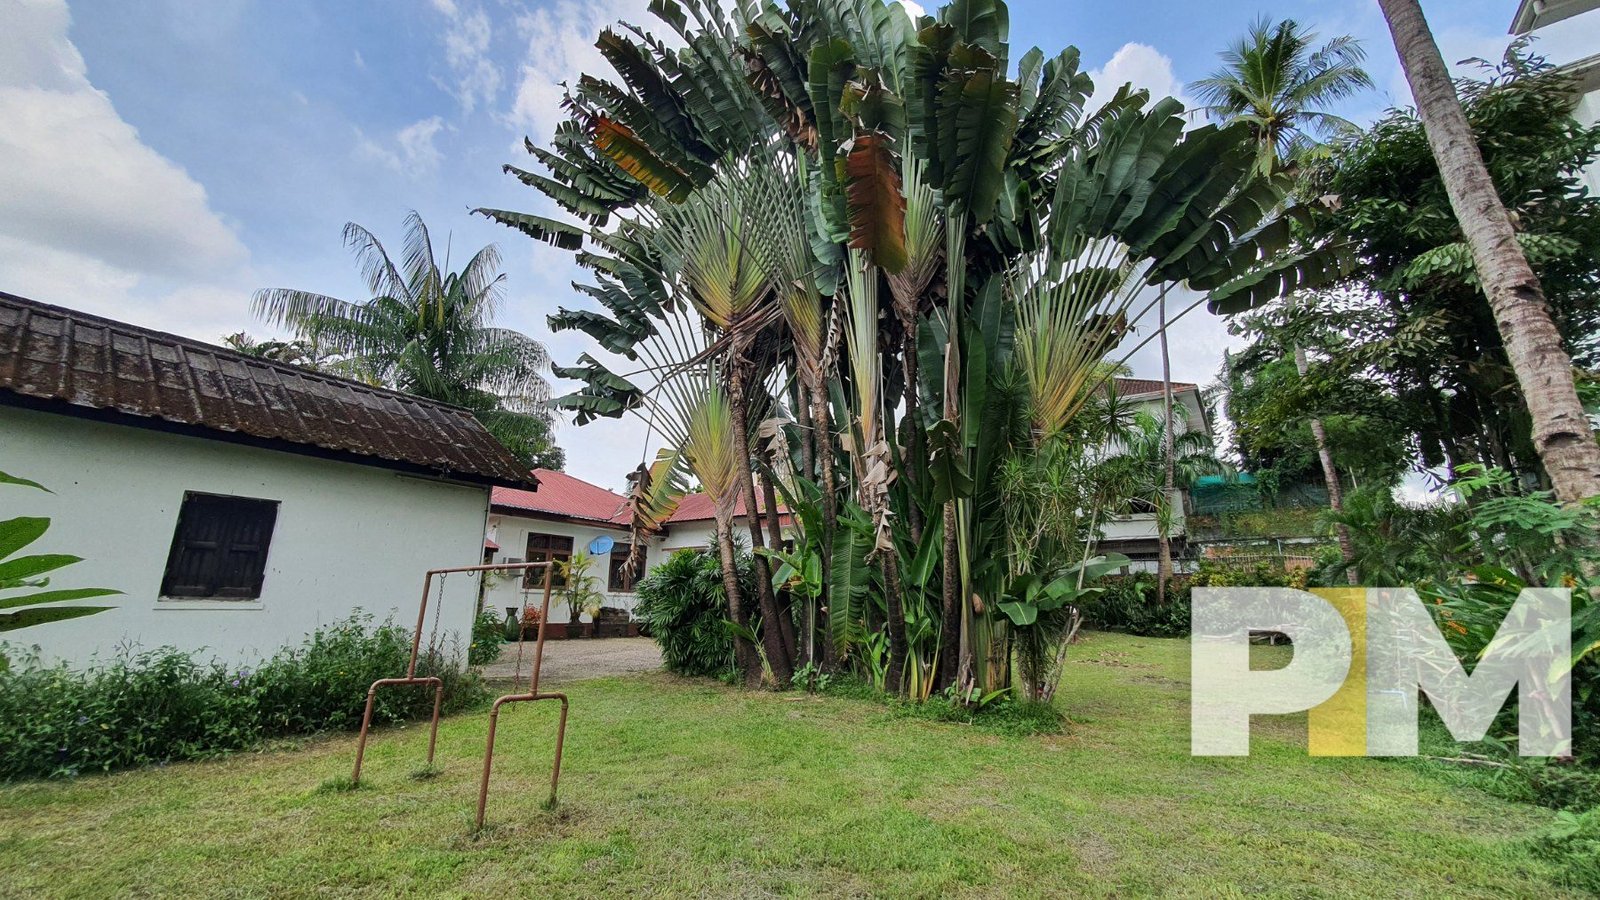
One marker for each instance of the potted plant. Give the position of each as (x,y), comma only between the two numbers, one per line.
(581,590)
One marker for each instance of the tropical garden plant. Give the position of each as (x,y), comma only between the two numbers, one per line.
(25,578)
(850,259)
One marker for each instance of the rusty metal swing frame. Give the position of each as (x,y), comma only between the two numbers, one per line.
(533,693)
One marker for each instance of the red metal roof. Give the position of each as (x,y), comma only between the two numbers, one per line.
(71,362)
(567,497)
(698,507)
(562,496)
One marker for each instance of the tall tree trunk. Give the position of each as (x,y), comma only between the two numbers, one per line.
(771,632)
(744,652)
(822,420)
(785,605)
(911,453)
(894,603)
(1164,521)
(1561,432)
(949,606)
(1330,477)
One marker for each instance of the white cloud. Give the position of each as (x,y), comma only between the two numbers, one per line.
(91,216)
(466,50)
(1144,67)
(413,151)
(74,175)
(560,45)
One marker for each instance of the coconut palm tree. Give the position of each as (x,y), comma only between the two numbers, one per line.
(1274,81)
(430,333)
(1277,81)
(1561,433)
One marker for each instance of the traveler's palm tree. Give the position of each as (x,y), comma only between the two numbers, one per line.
(1275,80)
(429,333)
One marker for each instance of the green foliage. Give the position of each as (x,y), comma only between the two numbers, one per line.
(1128,603)
(31,573)
(488,636)
(684,607)
(165,705)
(1573,842)
(1437,352)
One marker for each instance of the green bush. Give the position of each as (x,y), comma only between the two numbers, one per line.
(488,636)
(684,608)
(1128,602)
(164,705)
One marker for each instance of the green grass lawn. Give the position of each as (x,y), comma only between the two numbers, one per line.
(674,787)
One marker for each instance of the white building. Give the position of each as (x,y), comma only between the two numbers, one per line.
(238,504)
(569,514)
(1137,536)
(1567,34)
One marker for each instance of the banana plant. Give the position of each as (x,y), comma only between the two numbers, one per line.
(1029,594)
(30,573)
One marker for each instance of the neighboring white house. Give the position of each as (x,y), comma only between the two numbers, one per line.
(237,503)
(568,514)
(1136,536)
(1568,33)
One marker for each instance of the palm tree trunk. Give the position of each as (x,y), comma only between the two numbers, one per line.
(911,454)
(1561,432)
(744,653)
(949,607)
(1330,477)
(893,601)
(775,535)
(822,421)
(771,632)
(1163,522)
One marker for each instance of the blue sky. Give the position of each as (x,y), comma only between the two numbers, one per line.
(161,160)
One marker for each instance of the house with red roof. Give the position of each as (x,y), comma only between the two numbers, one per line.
(568,515)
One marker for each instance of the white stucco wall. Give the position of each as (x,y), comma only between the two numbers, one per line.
(511,533)
(347,537)
(1588,113)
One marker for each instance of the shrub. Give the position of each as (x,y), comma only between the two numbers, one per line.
(488,635)
(684,608)
(1573,842)
(1128,602)
(164,705)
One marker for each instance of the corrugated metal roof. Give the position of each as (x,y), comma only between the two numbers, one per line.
(1133,387)
(62,356)
(562,495)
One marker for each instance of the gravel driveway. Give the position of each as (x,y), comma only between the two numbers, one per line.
(576,660)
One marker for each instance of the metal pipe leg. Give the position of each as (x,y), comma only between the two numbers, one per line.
(488,762)
(361,743)
(561,736)
(433,735)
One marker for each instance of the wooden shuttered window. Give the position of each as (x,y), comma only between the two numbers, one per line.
(547,548)
(620,581)
(219,549)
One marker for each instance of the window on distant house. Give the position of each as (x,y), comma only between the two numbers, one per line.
(547,548)
(621,580)
(219,550)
